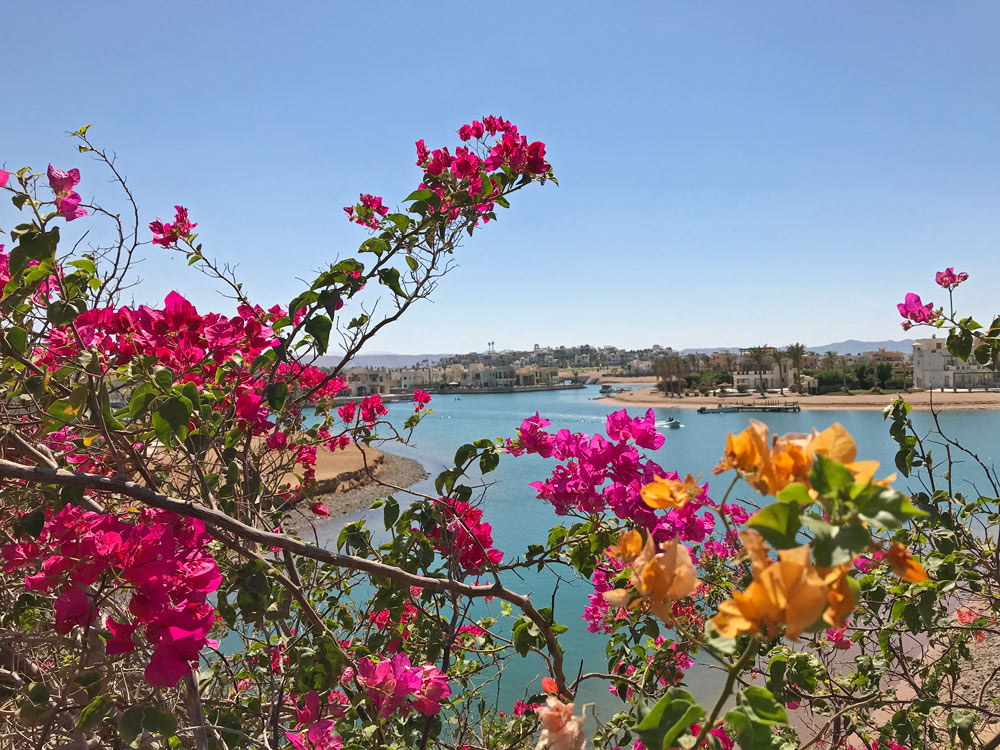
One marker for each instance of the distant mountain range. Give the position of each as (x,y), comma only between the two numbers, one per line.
(384,359)
(387,359)
(851,346)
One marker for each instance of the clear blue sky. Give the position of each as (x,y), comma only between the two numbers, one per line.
(731,173)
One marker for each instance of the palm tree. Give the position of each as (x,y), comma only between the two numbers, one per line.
(831,360)
(757,355)
(795,354)
(779,356)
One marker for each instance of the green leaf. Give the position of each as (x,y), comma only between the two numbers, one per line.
(130,726)
(39,246)
(761,706)
(412,263)
(828,476)
(390,512)
(96,711)
(319,327)
(960,343)
(887,508)
(17,339)
(84,264)
(390,278)
(276,393)
(983,354)
(488,462)
(373,245)
(60,312)
(794,493)
(672,715)
(174,413)
(141,397)
(30,524)
(37,693)
(159,722)
(464,453)
(750,735)
(778,523)
(164,377)
(836,545)
(719,642)
(419,195)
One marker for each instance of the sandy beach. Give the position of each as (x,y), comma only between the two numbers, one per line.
(352,479)
(924,400)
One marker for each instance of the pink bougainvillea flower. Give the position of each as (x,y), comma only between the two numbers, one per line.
(913,309)
(168,235)
(121,637)
(434,688)
(4,176)
(367,211)
(307,710)
(949,279)
(372,408)
(319,737)
(420,398)
(423,153)
(389,682)
(61,182)
(319,509)
(67,200)
(72,608)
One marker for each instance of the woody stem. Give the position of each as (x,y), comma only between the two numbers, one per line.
(727,690)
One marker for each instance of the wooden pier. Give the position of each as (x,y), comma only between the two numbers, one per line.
(770,405)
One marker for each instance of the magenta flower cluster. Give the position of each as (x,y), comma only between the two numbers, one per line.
(599,473)
(168,235)
(159,559)
(464,536)
(394,685)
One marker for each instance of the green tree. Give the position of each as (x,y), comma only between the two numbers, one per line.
(758,355)
(795,354)
(780,357)
(865,375)
(883,373)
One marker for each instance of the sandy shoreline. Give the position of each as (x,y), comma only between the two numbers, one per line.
(923,400)
(358,492)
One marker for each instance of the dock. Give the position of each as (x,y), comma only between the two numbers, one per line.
(770,405)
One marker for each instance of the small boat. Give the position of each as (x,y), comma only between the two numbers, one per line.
(607,389)
(673,424)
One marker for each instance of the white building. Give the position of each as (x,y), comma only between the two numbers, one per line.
(934,367)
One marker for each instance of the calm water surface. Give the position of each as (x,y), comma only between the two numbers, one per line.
(519,518)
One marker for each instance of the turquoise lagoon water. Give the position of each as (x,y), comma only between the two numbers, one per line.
(519,518)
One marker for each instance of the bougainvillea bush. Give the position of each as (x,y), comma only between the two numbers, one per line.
(153,595)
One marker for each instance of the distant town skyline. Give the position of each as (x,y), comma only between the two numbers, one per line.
(774,171)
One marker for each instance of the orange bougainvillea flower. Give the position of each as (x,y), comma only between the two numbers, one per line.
(771,464)
(743,451)
(660,575)
(670,493)
(549,685)
(628,546)
(904,565)
(756,550)
(838,593)
(788,592)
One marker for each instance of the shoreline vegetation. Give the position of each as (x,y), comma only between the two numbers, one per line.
(648,396)
(351,480)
